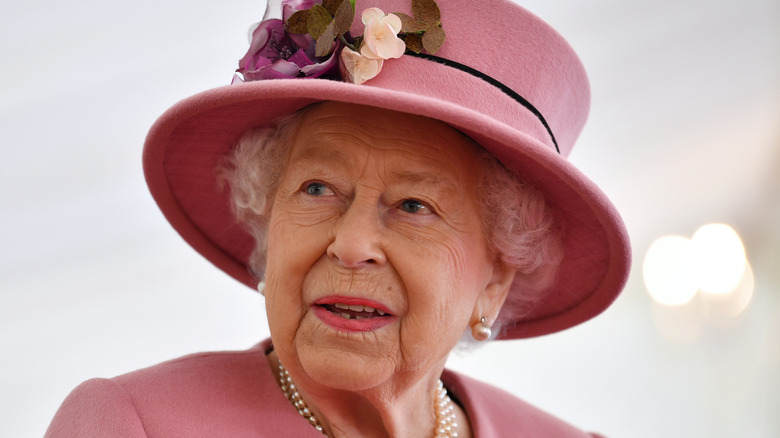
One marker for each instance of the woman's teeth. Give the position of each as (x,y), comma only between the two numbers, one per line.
(358,308)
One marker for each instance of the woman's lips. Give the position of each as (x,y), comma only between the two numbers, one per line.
(351,314)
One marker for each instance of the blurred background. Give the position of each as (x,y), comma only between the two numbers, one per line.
(684,133)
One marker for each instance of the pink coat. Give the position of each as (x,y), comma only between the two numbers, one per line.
(234,394)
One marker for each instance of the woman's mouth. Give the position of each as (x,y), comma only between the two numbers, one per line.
(348,314)
(354,311)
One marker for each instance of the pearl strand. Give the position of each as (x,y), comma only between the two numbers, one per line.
(446,421)
(292,394)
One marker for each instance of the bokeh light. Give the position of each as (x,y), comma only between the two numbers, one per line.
(713,262)
(717,258)
(666,273)
(722,307)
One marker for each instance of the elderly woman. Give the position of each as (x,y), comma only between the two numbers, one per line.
(391,176)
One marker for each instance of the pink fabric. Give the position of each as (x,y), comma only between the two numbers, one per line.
(234,394)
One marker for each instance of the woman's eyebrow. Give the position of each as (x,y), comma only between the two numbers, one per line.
(318,154)
(418,177)
(333,157)
(441,183)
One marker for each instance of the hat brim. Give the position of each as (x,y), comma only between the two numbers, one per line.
(184,147)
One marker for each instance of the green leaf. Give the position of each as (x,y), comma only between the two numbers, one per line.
(297,22)
(433,39)
(343,17)
(426,11)
(413,42)
(318,20)
(410,24)
(325,41)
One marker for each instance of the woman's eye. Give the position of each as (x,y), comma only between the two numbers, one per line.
(414,206)
(317,189)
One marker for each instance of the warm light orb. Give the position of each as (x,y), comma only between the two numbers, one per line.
(665,271)
(717,258)
(722,307)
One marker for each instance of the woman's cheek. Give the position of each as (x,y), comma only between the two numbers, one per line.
(424,234)
(442,251)
(293,218)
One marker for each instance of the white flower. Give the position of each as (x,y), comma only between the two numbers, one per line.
(359,68)
(380,36)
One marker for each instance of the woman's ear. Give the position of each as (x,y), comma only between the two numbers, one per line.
(494,294)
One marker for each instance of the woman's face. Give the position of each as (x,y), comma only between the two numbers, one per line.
(377,260)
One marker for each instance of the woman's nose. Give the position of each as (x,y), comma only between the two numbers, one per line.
(357,242)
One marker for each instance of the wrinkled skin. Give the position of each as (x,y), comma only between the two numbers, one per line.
(377,205)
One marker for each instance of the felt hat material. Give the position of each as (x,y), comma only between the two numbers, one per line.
(497,38)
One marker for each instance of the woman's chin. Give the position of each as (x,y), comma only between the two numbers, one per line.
(341,370)
(346,359)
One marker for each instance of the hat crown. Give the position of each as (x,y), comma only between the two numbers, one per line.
(506,42)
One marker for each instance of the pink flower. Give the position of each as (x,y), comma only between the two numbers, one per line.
(358,68)
(380,36)
(274,54)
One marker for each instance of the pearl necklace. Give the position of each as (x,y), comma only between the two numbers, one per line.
(446,421)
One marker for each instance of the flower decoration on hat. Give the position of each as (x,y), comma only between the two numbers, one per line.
(312,40)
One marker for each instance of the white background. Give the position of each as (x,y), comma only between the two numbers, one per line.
(685,130)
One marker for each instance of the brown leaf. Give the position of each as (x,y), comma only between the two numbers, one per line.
(325,41)
(426,11)
(433,39)
(413,42)
(332,5)
(410,24)
(343,18)
(317,21)
(297,22)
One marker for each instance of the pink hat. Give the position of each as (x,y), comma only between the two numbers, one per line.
(502,76)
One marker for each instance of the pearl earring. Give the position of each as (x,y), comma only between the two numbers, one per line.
(481,330)
(261,288)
